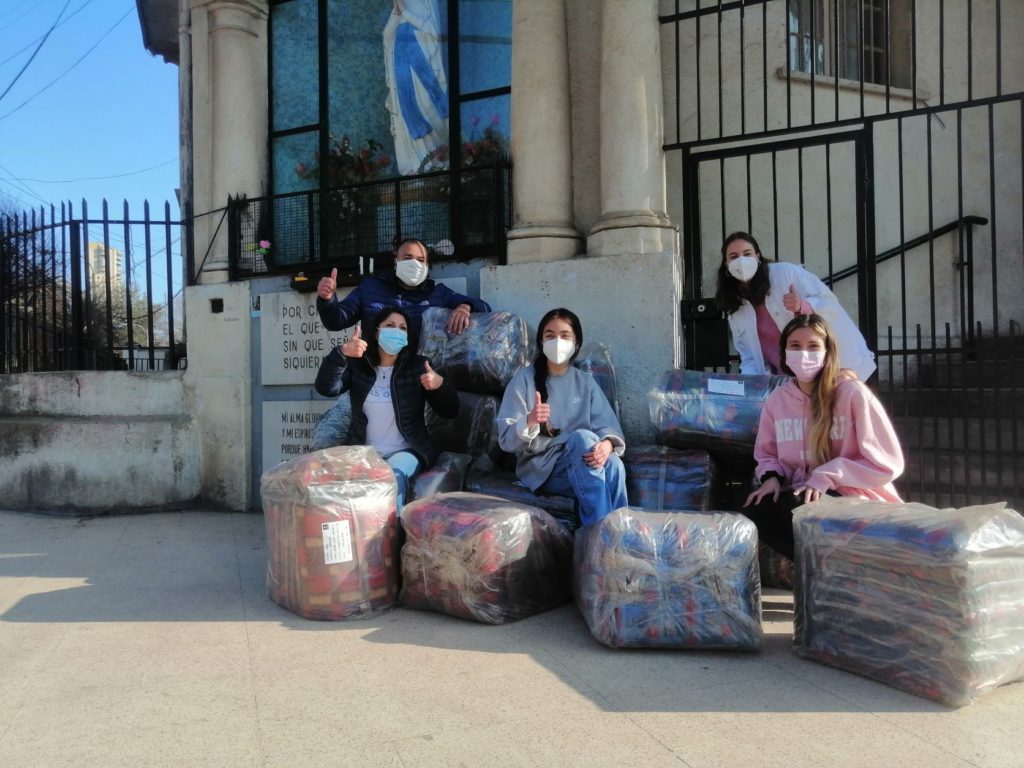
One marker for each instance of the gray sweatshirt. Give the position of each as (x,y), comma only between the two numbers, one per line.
(576,401)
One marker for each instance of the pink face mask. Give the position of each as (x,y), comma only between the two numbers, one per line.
(805,364)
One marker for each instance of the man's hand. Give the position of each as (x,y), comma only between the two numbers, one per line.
(327,286)
(458,321)
(355,346)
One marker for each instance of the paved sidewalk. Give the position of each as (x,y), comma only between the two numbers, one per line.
(148,640)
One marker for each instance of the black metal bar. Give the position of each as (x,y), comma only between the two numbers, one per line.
(5,293)
(284,132)
(678,71)
(860,52)
(828,204)
(77,325)
(775,203)
(979,390)
(696,49)
(800,199)
(888,59)
(324,113)
(992,213)
(949,422)
(835,58)
(970,49)
(34,284)
(903,239)
(999,47)
(813,140)
(867,303)
(455,127)
(920,422)
(750,209)
(721,113)
(814,58)
(942,52)
(128,280)
(743,75)
(857,122)
(1014,413)
(764,64)
(789,69)
(932,317)
(64,215)
(489,93)
(913,64)
(721,195)
(172,357)
(149,284)
(708,10)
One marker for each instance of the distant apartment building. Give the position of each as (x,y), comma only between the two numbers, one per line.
(102,259)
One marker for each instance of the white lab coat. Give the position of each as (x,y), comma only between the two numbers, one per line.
(853,351)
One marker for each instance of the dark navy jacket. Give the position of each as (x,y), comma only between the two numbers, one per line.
(355,375)
(386,290)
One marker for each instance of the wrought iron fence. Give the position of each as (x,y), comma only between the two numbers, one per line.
(349,225)
(85,293)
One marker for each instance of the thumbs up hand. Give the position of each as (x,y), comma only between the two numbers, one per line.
(430,379)
(540,414)
(791,301)
(326,287)
(355,346)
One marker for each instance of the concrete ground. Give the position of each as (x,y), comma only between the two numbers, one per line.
(148,640)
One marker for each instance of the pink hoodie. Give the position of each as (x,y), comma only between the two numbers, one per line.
(866,450)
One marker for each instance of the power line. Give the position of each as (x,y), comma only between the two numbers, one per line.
(38,48)
(64,21)
(95,178)
(66,71)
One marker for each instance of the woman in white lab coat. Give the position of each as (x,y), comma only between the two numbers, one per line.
(760,297)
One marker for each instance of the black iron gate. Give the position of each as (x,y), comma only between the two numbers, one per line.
(879,144)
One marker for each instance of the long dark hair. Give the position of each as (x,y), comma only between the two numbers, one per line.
(372,353)
(825,384)
(731,292)
(540,365)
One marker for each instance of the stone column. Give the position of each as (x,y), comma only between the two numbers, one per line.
(542,227)
(229,118)
(633,218)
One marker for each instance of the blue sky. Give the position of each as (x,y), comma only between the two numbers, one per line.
(114,114)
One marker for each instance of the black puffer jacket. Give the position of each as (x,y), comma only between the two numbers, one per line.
(339,374)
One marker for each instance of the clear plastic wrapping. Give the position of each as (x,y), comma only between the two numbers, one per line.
(595,358)
(446,476)
(718,412)
(670,580)
(472,431)
(926,600)
(330,523)
(658,477)
(485,477)
(332,428)
(484,357)
(483,558)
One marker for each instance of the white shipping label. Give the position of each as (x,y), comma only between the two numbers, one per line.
(726,387)
(337,542)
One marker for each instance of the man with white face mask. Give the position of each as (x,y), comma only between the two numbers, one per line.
(406,287)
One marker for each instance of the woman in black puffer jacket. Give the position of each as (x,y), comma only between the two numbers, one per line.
(389,386)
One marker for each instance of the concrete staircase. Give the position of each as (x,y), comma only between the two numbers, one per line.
(961,425)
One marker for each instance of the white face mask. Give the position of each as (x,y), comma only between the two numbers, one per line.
(558,351)
(411,271)
(804,363)
(744,267)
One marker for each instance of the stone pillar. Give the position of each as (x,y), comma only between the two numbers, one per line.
(229,117)
(633,218)
(542,227)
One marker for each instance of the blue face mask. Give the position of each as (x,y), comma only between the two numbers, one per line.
(392,340)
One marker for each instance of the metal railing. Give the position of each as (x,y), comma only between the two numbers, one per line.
(349,225)
(85,293)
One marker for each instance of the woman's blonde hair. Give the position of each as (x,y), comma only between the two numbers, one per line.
(825,384)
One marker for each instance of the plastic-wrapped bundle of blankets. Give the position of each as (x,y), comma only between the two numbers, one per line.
(718,412)
(472,431)
(484,357)
(483,558)
(929,601)
(670,580)
(658,477)
(330,523)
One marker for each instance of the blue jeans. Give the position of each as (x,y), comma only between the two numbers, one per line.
(598,491)
(405,465)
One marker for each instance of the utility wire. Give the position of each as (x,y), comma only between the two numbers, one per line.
(64,21)
(66,71)
(94,178)
(38,48)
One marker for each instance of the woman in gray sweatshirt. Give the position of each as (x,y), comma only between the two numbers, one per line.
(560,426)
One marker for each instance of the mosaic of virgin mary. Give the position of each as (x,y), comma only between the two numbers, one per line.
(417,85)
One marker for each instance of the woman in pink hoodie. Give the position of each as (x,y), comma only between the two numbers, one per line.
(822,433)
